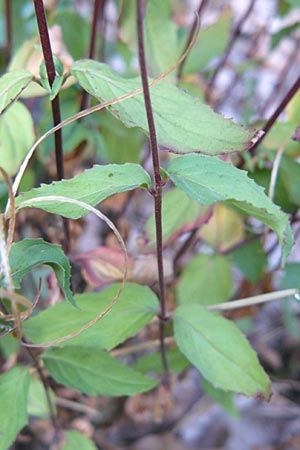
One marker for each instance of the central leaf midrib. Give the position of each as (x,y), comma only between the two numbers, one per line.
(94,372)
(218,351)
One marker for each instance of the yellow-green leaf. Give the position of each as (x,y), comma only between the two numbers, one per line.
(16,137)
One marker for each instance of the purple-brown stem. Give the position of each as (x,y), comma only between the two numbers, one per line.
(98,16)
(235,35)
(8,26)
(55,104)
(192,237)
(277,112)
(201,6)
(158,183)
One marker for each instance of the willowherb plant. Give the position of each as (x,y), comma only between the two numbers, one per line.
(79,335)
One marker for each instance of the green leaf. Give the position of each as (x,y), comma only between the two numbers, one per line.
(293,108)
(281,195)
(92,186)
(287,186)
(16,137)
(211,43)
(122,144)
(219,351)
(291,276)
(135,308)
(210,180)
(37,399)
(179,214)
(183,123)
(225,399)
(94,373)
(8,344)
(206,279)
(251,260)
(58,79)
(14,386)
(127,21)
(11,86)
(152,363)
(289,174)
(27,254)
(77,441)
(160,39)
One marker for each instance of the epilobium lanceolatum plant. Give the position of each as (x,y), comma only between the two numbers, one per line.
(156,144)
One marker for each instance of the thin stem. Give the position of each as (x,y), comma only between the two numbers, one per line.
(277,112)
(240,244)
(275,171)
(141,347)
(47,391)
(158,183)
(55,104)
(235,35)
(192,237)
(98,14)
(93,413)
(97,17)
(146,92)
(8,23)
(255,300)
(201,6)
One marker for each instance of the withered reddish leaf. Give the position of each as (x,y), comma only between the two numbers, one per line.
(103,265)
(106,265)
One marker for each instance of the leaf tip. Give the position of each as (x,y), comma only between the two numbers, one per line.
(266,396)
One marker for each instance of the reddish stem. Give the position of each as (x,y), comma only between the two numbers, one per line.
(55,104)
(98,16)
(277,112)
(158,183)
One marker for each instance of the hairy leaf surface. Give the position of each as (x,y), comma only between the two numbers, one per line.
(210,180)
(219,351)
(94,373)
(206,279)
(14,386)
(11,86)
(27,254)
(92,186)
(136,306)
(16,137)
(183,123)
